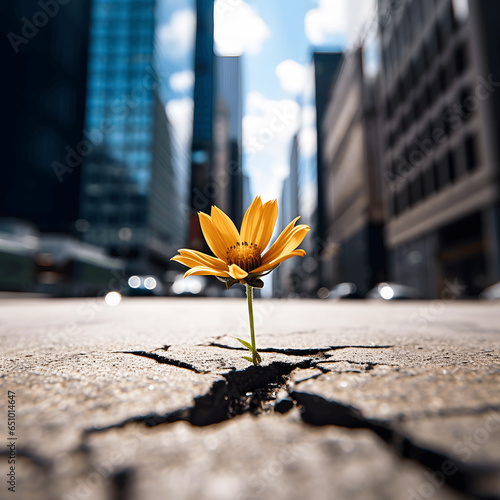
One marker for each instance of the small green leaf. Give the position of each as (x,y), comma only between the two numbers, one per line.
(257,357)
(247,358)
(246,344)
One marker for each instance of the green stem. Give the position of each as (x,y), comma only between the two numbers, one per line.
(255,355)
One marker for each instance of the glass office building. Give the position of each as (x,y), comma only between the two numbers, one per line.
(125,120)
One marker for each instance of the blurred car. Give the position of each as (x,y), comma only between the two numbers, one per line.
(140,286)
(345,290)
(191,286)
(19,243)
(392,291)
(67,267)
(491,293)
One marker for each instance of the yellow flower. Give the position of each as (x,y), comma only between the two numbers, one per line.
(239,256)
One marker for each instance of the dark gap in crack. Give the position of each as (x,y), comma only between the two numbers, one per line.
(249,390)
(122,482)
(468,479)
(27,454)
(299,352)
(163,360)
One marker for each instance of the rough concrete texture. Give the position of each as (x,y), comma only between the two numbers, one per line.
(151,399)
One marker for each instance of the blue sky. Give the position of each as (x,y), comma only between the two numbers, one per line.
(276,39)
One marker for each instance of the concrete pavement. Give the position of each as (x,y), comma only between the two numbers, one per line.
(151,399)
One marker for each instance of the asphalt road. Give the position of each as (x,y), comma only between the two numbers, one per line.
(151,399)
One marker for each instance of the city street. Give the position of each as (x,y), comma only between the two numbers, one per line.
(151,399)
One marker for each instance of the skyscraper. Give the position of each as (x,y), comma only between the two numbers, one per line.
(216,175)
(44,54)
(203,118)
(128,199)
(352,186)
(440,143)
(228,113)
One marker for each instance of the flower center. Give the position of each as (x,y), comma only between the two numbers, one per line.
(245,255)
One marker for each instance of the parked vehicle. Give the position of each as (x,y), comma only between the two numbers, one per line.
(392,291)
(491,293)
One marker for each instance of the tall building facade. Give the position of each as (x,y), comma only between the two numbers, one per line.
(44,53)
(201,196)
(216,174)
(326,66)
(229,101)
(285,282)
(440,148)
(128,197)
(310,272)
(353,220)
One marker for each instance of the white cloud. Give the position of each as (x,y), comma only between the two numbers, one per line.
(238,28)
(308,116)
(337,22)
(292,76)
(269,123)
(268,129)
(309,200)
(308,142)
(180,114)
(182,80)
(178,34)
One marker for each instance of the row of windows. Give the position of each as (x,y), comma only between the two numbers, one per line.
(118,11)
(451,118)
(116,50)
(408,30)
(443,79)
(113,63)
(441,173)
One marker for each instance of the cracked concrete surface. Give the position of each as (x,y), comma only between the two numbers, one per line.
(151,399)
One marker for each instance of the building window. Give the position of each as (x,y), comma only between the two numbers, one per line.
(471,156)
(460,59)
(451,166)
(429,185)
(442,172)
(415,190)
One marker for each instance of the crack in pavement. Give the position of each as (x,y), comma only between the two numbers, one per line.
(250,389)
(299,352)
(163,360)
(468,479)
(237,393)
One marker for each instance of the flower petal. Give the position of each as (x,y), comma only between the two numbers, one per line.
(204,271)
(236,272)
(225,226)
(281,240)
(293,241)
(275,262)
(212,236)
(201,259)
(195,263)
(266,225)
(251,220)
